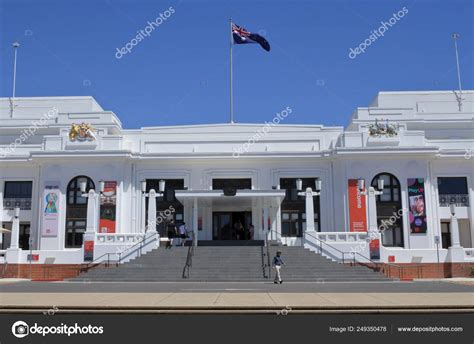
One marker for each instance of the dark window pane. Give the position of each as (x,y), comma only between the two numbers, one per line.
(17,189)
(237,183)
(452,185)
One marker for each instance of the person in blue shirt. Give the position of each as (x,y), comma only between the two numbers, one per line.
(276,264)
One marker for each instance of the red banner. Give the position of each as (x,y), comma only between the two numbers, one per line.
(89,250)
(374,247)
(107,208)
(357,208)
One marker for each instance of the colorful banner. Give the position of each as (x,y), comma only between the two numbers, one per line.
(108,203)
(416,201)
(50,210)
(357,208)
(88,250)
(374,247)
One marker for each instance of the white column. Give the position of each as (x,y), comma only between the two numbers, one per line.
(151,226)
(372,210)
(92,212)
(142,221)
(195,220)
(309,210)
(455,241)
(15,235)
(265,220)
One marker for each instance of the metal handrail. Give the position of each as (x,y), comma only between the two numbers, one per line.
(268,258)
(120,254)
(189,259)
(321,242)
(354,260)
(88,266)
(118,261)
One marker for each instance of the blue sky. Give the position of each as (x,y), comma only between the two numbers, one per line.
(179,74)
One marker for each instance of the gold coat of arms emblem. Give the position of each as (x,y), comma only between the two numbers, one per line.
(82,132)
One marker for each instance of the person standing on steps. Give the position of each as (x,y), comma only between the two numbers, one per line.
(182,233)
(171,230)
(276,264)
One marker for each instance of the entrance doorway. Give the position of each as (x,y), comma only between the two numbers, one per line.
(225,225)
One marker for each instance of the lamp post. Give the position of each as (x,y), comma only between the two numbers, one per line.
(371,194)
(309,204)
(152,194)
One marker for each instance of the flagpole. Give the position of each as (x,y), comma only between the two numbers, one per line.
(455,37)
(231,91)
(15,48)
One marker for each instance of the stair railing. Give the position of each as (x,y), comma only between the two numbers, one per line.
(189,259)
(98,261)
(268,259)
(374,265)
(137,247)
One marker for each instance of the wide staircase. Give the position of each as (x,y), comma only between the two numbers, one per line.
(305,266)
(230,262)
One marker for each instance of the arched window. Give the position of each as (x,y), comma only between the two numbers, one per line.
(389,210)
(76,211)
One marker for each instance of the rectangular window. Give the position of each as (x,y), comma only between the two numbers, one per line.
(453,190)
(17,189)
(236,183)
(293,215)
(17,194)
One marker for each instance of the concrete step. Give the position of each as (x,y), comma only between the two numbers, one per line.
(230,261)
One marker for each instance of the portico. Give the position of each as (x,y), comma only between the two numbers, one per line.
(261,204)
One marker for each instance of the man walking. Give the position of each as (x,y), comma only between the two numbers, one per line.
(182,233)
(276,264)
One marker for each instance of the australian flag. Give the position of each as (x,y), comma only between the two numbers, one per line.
(242,36)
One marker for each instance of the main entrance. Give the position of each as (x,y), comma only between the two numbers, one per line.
(225,225)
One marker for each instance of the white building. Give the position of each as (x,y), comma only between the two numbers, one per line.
(421,147)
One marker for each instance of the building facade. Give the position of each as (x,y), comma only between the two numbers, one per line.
(216,175)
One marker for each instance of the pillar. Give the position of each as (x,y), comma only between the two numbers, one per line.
(455,240)
(15,235)
(372,210)
(309,210)
(265,221)
(195,220)
(151,226)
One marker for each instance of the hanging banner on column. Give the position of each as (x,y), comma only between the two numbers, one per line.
(50,210)
(88,250)
(416,200)
(108,203)
(374,247)
(357,208)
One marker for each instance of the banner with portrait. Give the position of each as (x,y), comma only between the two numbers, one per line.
(416,203)
(50,210)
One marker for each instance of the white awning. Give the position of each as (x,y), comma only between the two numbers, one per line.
(242,197)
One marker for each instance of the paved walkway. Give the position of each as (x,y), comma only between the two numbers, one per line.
(434,286)
(235,301)
(418,296)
